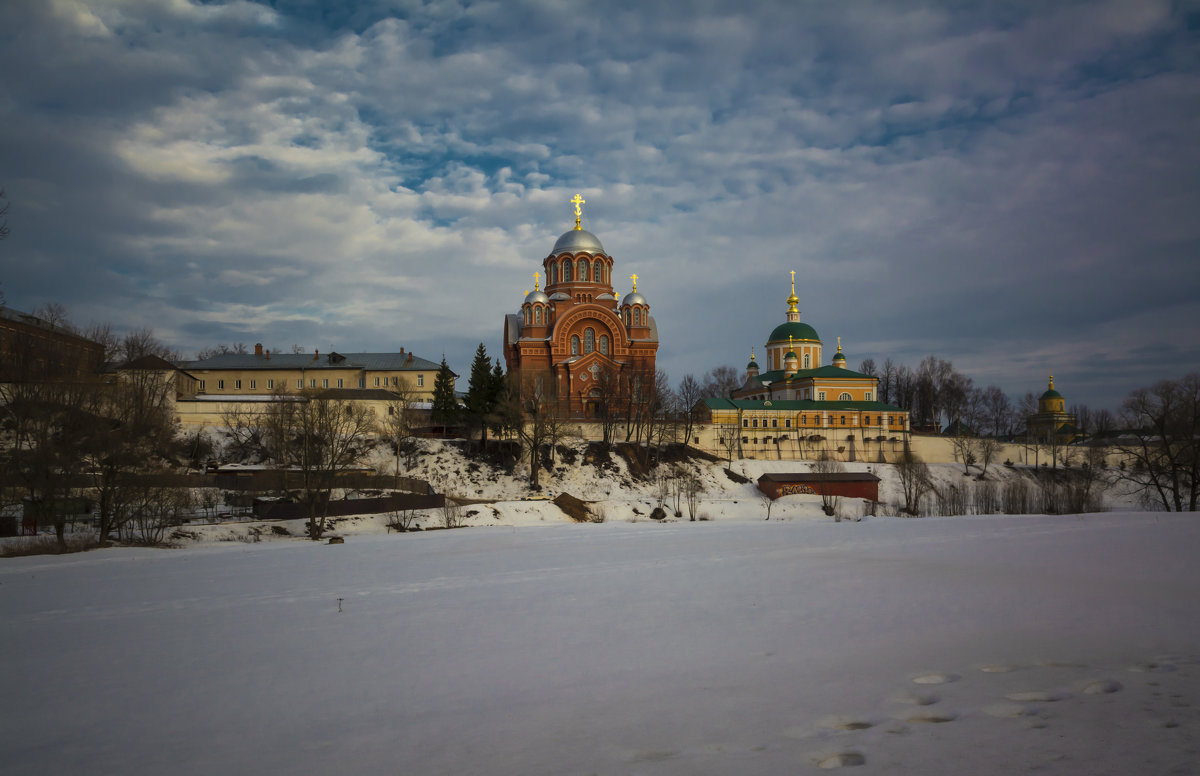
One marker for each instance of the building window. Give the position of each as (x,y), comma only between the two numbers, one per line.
(376,382)
(787,422)
(325,382)
(754,422)
(537,315)
(583,270)
(201,385)
(626,317)
(844,397)
(598,272)
(253,385)
(362,382)
(566,270)
(867,396)
(339,382)
(745,423)
(312,382)
(843,420)
(807,361)
(553,275)
(220,385)
(237,385)
(604,344)
(774,422)
(271,385)
(589,340)
(300,383)
(420,381)
(820,396)
(574,345)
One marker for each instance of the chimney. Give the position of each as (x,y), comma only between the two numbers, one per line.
(268,355)
(258,351)
(410,356)
(316,355)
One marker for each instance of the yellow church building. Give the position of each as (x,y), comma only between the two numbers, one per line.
(800,405)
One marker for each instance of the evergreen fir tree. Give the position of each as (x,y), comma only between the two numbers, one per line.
(480,399)
(445,405)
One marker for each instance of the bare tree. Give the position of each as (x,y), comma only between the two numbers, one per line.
(914,481)
(4,205)
(530,407)
(400,422)
(829,501)
(692,487)
(720,382)
(867,367)
(1163,443)
(689,393)
(320,436)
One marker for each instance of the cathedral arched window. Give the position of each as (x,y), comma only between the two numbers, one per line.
(807,361)
(583,270)
(626,317)
(574,344)
(844,397)
(526,315)
(598,272)
(553,275)
(566,270)
(589,340)
(604,344)
(537,315)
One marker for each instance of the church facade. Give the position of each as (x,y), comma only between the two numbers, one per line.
(800,399)
(574,340)
(1052,421)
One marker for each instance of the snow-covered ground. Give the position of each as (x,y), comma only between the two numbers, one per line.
(981,645)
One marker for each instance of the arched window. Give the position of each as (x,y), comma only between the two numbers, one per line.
(553,275)
(583,270)
(566,270)
(626,317)
(537,315)
(604,344)
(807,362)
(598,272)
(574,344)
(526,316)
(589,340)
(844,397)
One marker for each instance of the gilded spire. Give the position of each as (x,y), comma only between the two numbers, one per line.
(1052,382)
(536,277)
(793,300)
(634,278)
(839,339)
(577,201)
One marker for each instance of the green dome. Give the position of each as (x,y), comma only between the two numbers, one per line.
(838,356)
(795,330)
(1051,394)
(752,365)
(791,354)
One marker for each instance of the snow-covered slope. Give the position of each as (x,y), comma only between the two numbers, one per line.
(982,645)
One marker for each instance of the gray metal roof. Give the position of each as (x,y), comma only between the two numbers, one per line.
(375,362)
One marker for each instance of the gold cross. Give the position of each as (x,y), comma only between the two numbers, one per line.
(634,278)
(793,282)
(578,212)
(536,275)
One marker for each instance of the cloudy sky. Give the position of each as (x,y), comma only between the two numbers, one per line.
(1011,186)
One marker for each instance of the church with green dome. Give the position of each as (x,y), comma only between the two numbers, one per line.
(797,396)
(1052,421)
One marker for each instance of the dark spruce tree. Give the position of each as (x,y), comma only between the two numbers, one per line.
(481,393)
(445,405)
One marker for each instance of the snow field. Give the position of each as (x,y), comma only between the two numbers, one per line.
(985,645)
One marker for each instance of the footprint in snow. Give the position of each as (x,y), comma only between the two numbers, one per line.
(841,760)
(1037,696)
(931,716)
(935,678)
(1101,687)
(847,723)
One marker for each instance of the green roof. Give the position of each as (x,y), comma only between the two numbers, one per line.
(798,405)
(795,330)
(778,375)
(1052,394)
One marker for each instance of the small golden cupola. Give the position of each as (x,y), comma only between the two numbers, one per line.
(752,367)
(839,358)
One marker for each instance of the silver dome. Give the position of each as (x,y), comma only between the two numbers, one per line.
(537,296)
(634,298)
(576,241)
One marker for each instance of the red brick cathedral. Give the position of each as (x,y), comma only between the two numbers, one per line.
(573,339)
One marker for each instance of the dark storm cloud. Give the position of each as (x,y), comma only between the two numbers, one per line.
(1011,187)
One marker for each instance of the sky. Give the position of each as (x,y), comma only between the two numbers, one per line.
(1011,186)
